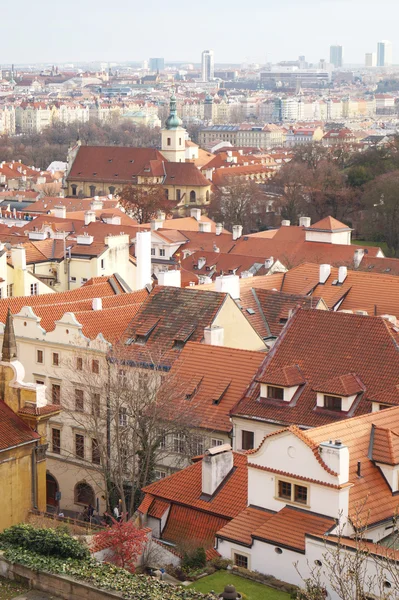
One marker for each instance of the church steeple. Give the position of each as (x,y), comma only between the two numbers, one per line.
(9,350)
(173,121)
(174,136)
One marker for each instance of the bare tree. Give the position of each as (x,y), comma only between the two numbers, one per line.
(136,415)
(142,202)
(239,203)
(353,568)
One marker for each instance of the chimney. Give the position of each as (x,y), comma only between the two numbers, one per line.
(201,262)
(214,336)
(229,284)
(90,217)
(195,213)
(324,273)
(304,221)
(216,465)
(171,278)
(357,257)
(143,258)
(59,212)
(161,215)
(85,239)
(342,274)
(336,456)
(218,228)
(204,226)
(97,304)
(246,274)
(156,224)
(18,257)
(237,232)
(285,223)
(269,262)
(215,248)
(96,203)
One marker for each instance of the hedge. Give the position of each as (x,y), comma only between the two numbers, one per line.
(50,542)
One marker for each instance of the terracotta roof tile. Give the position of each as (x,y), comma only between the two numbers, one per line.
(240,528)
(187,526)
(286,376)
(13,430)
(342,385)
(326,345)
(158,508)
(329,224)
(385,446)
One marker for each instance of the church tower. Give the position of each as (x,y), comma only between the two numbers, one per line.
(174,136)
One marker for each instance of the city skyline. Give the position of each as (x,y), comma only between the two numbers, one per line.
(126,39)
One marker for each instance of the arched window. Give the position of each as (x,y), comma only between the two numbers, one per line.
(84,493)
(193,196)
(207,196)
(112,189)
(74,189)
(92,190)
(51,490)
(169,142)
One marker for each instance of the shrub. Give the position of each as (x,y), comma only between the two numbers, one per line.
(49,542)
(194,561)
(220,563)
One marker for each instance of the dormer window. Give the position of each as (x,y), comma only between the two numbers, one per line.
(333,403)
(276,393)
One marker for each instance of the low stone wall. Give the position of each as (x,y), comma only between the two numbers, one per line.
(61,586)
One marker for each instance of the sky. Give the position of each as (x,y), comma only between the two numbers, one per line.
(238,31)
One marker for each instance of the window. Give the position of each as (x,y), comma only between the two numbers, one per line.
(73,279)
(39,356)
(152,251)
(333,403)
(169,142)
(179,141)
(122,377)
(197,445)
(74,189)
(79,403)
(166,193)
(10,290)
(178,195)
(292,492)
(123,416)
(95,367)
(179,443)
(79,363)
(34,289)
(275,392)
(95,405)
(56,393)
(56,441)
(247,440)
(102,263)
(112,189)
(284,490)
(162,252)
(95,452)
(300,494)
(56,359)
(79,445)
(384,406)
(241,561)
(83,280)
(84,494)
(193,196)
(162,439)
(39,382)
(216,442)
(92,189)
(159,474)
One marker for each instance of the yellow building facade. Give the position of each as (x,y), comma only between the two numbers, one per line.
(24,414)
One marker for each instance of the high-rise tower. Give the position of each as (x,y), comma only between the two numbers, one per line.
(208,65)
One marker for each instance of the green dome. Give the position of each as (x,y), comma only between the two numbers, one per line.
(173,121)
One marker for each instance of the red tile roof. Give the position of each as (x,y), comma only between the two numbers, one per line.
(184,174)
(286,376)
(13,430)
(221,377)
(240,528)
(185,488)
(193,528)
(329,224)
(342,385)
(325,345)
(385,446)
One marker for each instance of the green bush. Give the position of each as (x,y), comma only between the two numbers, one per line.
(105,576)
(220,563)
(194,561)
(49,542)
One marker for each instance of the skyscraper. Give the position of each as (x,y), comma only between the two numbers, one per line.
(336,56)
(371,59)
(384,53)
(157,64)
(208,66)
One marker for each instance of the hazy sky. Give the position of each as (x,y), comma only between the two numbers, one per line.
(237,30)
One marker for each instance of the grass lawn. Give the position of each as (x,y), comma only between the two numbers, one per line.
(252,590)
(10,589)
